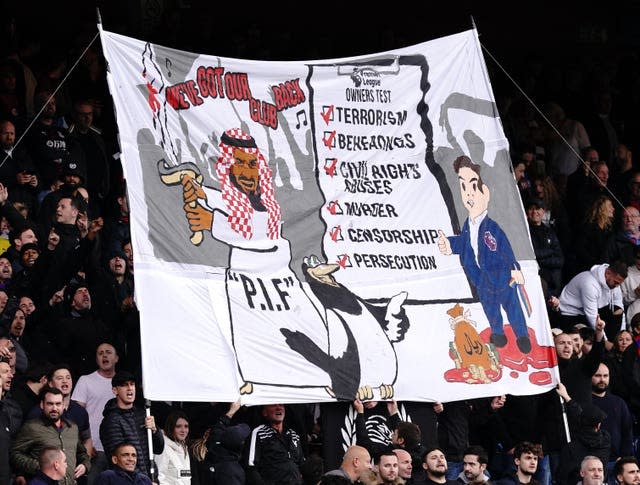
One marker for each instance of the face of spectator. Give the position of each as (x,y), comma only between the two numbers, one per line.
(49,110)
(6,342)
(592,156)
(623,340)
(117,266)
(106,357)
(612,279)
(52,406)
(7,135)
(274,413)
(125,394)
(83,117)
(388,468)
(630,219)
(578,341)
(600,380)
(6,271)
(527,464)
(128,252)
(602,174)
(519,171)
(81,300)
(26,305)
(66,213)
(630,474)
(61,379)
(7,375)
(608,209)
(435,464)
(472,468)
(29,258)
(405,467)
(564,346)
(635,187)
(592,472)
(17,324)
(181,430)
(8,80)
(126,458)
(3,300)
(535,215)
(538,187)
(26,236)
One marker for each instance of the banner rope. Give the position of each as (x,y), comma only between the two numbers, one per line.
(15,145)
(585,164)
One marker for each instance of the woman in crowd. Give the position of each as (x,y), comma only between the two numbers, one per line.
(175,462)
(592,239)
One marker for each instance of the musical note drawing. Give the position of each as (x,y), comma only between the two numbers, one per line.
(302,113)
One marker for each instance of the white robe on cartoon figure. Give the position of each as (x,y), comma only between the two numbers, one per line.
(254,264)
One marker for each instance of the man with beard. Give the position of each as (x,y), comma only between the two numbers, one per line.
(525,458)
(626,471)
(386,467)
(405,466)
(6,273)
(474,465)
(59,377)
(435,466)
(275,452)
(92,392)
(51,429)
(48,143)
(125,422)
(619,420)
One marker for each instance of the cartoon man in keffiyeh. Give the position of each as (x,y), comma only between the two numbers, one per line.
(264,295)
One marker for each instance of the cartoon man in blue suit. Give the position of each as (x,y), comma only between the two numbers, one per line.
(487,258)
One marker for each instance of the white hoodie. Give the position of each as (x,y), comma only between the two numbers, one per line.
(587,292)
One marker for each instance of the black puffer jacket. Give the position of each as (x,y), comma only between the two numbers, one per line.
(127,425)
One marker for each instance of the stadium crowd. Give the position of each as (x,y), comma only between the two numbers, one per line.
(71,409)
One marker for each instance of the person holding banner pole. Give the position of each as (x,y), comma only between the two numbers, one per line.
(123,421)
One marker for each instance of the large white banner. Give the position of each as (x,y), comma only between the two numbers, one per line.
(321,230)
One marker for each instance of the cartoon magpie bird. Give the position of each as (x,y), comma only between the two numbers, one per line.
(361,355)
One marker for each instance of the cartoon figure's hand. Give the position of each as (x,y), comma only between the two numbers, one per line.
(200,219)
(191,190)
(517,277)
(443,243)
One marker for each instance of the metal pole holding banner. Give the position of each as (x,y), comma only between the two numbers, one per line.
(152,463)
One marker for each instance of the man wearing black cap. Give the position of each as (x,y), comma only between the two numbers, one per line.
(125,422)
(546,246)
(79,333)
